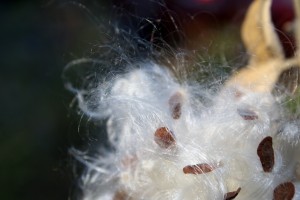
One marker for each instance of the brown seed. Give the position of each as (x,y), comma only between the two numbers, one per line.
(238,94)
(121,195)
(266,154)
(164,137)
(198,168)
(284,191)
(232,195)
(247,114)
(175,103)
(129,161)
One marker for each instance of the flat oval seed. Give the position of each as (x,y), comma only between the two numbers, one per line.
(164,137)
(198,169)
(284,191)
(238,94)
(120,195)
(175,103)
(232,195)
(247,114)
(266,154)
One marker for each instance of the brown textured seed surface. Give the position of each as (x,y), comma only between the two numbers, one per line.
(265,153)
(129,161)
(164,137)
(121,195)
(232,195)
(238,94)
(247,114)
(198,168)
(175,103)
(284,191)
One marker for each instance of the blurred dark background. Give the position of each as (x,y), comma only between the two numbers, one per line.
(37,39)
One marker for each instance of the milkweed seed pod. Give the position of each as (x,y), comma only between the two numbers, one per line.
(168,145)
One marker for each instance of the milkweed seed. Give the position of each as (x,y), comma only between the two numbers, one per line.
(247,114)
(266,154)
(232,195)
(284,191)
(175,103)
(120,195)
(164,137)
(198,168)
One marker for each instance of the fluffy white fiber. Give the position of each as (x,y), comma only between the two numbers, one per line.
(222,137)
(176,140)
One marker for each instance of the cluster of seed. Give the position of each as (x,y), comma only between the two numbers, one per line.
(166,139)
